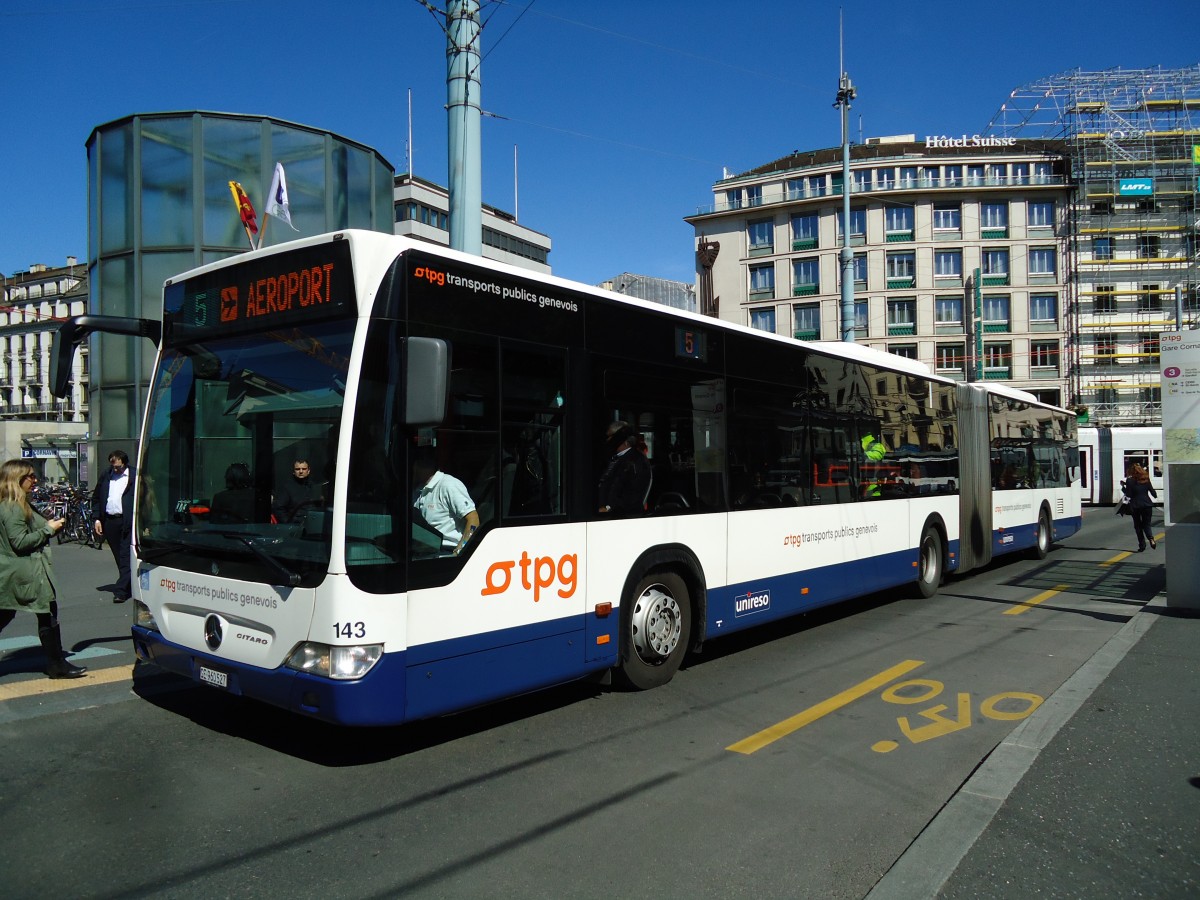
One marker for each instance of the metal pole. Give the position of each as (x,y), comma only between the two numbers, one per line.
(463,113)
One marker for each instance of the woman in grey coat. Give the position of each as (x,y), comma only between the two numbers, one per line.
(26,575)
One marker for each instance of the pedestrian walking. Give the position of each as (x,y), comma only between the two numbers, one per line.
(112,517)
(26,575)
(1139,490)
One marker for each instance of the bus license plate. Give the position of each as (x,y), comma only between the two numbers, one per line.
(215,678)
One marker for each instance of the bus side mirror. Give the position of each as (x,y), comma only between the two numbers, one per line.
(73,330)
(427,385)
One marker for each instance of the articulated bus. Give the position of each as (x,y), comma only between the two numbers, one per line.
(1107,451)
(370,356)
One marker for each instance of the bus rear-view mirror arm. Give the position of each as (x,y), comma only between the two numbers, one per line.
(72,331)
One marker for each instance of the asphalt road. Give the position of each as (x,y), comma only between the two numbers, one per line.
(802,760)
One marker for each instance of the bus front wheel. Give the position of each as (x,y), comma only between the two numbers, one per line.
(1042,545)
(657,623)
(930,562)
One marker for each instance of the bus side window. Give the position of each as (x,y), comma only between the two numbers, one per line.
(532,404)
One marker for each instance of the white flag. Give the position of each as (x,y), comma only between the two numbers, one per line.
(277,198)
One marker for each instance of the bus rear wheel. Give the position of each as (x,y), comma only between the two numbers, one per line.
(930,562)
(657,623)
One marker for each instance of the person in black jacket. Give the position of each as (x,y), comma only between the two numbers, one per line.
(112,517)
(625,484)
(1139,490)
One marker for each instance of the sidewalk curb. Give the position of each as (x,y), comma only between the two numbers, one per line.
(931,859)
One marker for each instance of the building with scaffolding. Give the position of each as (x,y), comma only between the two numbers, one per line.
(1131,139)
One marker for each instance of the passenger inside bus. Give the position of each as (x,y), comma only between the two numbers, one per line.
(235,504)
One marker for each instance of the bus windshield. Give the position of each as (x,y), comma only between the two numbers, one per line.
(240,446)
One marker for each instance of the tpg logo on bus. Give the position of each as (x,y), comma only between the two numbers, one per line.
(546,573)
(750,603)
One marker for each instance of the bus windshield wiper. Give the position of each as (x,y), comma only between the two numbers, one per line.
(172,546)
(292,578)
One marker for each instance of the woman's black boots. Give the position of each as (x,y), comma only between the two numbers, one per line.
(59,667)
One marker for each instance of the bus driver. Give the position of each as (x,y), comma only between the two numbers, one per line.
(444,504)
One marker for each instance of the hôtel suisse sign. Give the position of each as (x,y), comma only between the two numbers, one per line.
(968,141)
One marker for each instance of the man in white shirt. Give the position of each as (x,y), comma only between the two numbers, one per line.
(112,517)
(444,504)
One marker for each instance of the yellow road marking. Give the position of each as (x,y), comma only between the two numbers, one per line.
(53,685)
(1026,605)
(795,723)
(1116,559)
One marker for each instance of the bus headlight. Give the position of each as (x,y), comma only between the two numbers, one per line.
(142,616)
(342,663)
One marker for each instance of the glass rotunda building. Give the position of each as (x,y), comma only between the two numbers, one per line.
(159,203)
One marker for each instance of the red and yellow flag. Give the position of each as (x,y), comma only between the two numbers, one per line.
(245,207)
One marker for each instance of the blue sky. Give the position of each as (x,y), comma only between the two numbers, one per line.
(623,112)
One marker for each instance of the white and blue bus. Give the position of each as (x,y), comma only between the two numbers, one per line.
(1107,451)
(778,479)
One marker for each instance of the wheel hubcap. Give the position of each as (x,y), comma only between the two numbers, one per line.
(657,624)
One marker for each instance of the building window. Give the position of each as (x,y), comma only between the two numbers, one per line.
(806,277)
(733,198)
(1147,300)
(1043,261)
(1149,342)
(898,223)
(862,180)
(949,358)
(763,319)
(761,234)
(948,311)
(995,266)
(1102,207)
(858,225)
(993,218)
(995,313)
(901,266)
(860,271)
(805,232)
(1106,298)
(907,351)
(1043,172)
(1040,214)
(997,360)
(1043,355)
(902,315)
(930,176)
(1106,346)
(885,179)
(947,217)
(947,264)
(808,321)
(816,186)
(762,280)
(794,188)
(997,173)
(1043,308)
(975,176)
(1020,173)
(908,176)
(1148,246)
(954,176)
(754,195)
(861,318)
(1102,248)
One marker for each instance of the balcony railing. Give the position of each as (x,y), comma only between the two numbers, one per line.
(785,196)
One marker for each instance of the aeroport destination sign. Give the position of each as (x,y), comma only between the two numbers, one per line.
(968,140)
